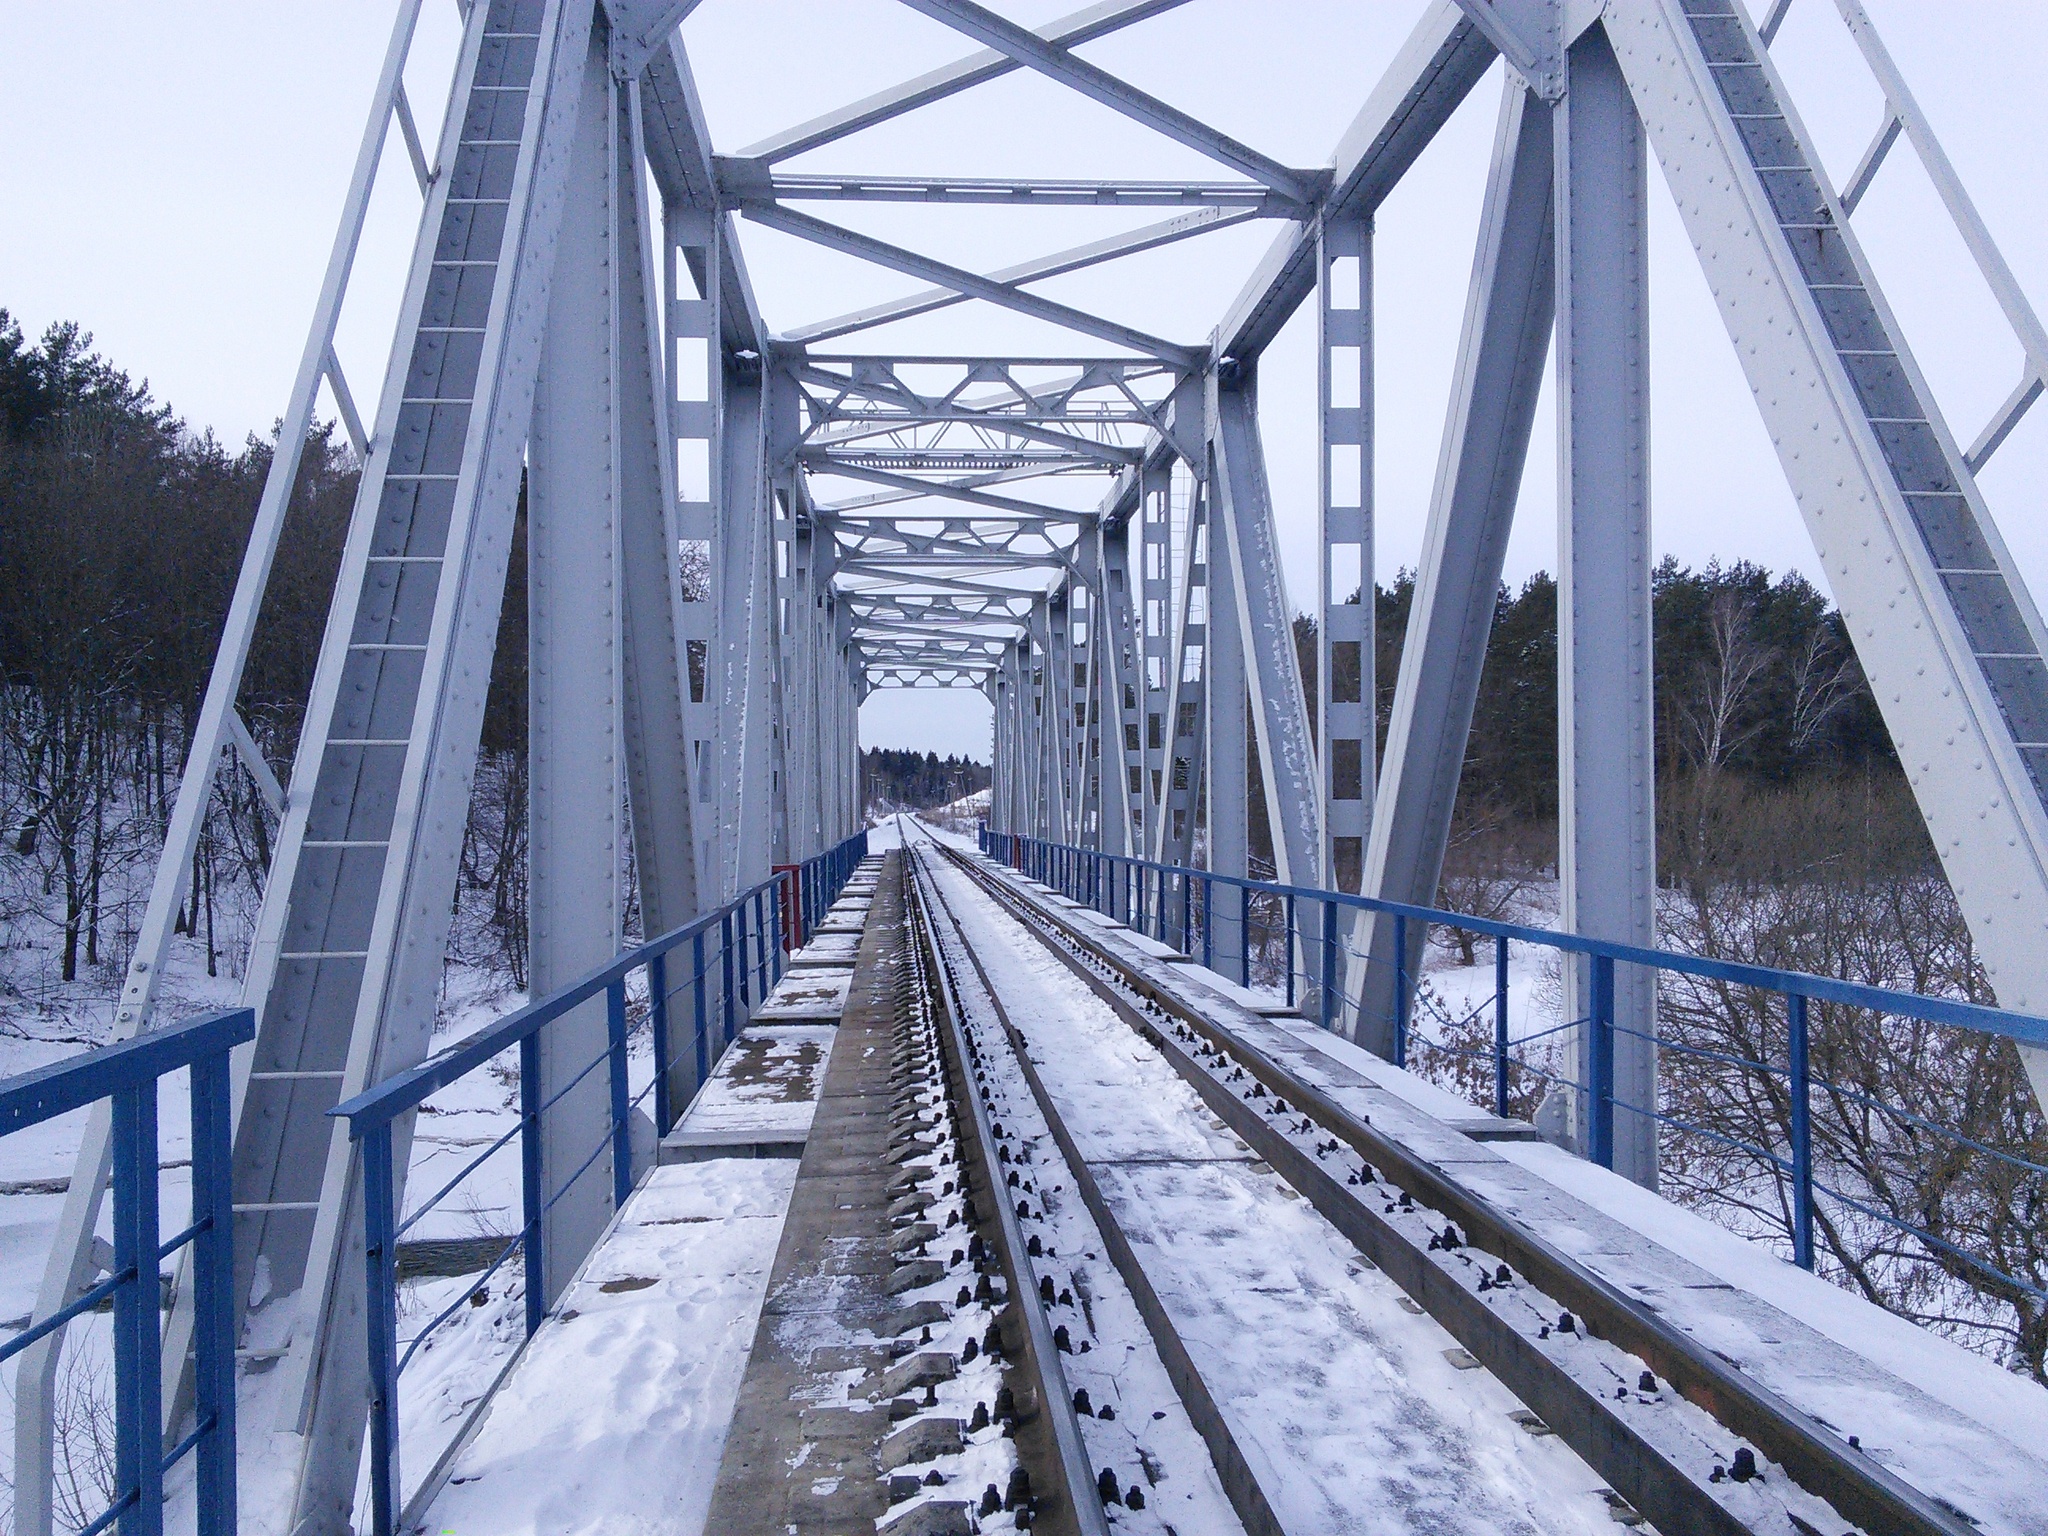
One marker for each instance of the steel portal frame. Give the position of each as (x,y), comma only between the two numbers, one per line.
(1085,537)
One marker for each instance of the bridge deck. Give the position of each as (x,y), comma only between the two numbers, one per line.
(721,1363)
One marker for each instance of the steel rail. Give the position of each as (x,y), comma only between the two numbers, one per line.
(1669,1496)
(1233,1468)
(1056,1400)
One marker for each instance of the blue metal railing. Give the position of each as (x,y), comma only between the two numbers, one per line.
(1161,899)
(129,1074)
(750,933)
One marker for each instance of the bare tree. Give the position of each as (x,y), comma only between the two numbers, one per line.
(1924,1126)
(1718,717)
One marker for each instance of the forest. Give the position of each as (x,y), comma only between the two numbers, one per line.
(1787,834)
(895,779)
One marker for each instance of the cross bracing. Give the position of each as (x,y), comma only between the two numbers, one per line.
(1081,528)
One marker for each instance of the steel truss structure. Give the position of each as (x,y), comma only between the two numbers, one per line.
(1088,539)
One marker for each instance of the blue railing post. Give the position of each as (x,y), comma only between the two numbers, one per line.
(1187,913)
(725,973)
(1328,1008)
(1244,935)
(1400,990)
(213,1287)
(380,1259)
(1500,1027)
(622,1102)
(760,906)
(1601,1129)
(700,1006)
(532,1252)
(138,1315)
(1290,949)
(657,1015)
(1802,1134)
(739,920)
(1208,919)
(775,948)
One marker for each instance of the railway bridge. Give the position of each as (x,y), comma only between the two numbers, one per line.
(1049,1171)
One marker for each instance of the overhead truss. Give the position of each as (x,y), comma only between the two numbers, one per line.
(1085,535)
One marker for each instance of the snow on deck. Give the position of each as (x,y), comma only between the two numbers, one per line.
(1351,1409)
(1946,1420)
(815,994)
(615,1417)
(762,1094)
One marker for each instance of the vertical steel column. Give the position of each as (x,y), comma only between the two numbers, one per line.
(1123,690)
(1345,578)
(1173,839)
(786,506)
(1606,744)
(1225,781)
(1086,628)
(575,852)
(1155,618)
(744,671)
(695,380)
(654,695)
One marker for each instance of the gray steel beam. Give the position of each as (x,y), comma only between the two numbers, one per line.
(1058,63)
(748,181)
(1607,819)
(989,64)
(575,840)
(1156,615)
(1123,761)
(1946,632)
(1226,743)
(678,147)
(1506,333)
(1173,838)
(655,686)
(945,490)
(1095,252)
(349,944)
(1346,704)
(745,672)
(709,620)
(1442,60)
(1244,538)
(882,254)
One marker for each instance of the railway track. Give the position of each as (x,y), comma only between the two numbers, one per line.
(1353,1341)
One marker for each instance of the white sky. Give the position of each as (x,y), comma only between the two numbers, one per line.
(174,174)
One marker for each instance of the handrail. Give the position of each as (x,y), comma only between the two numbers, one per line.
(130,1074)
(751,933)
(411,1088)
(1108,881)
(2027,1029)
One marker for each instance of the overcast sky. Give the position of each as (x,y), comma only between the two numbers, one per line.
(174,174)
